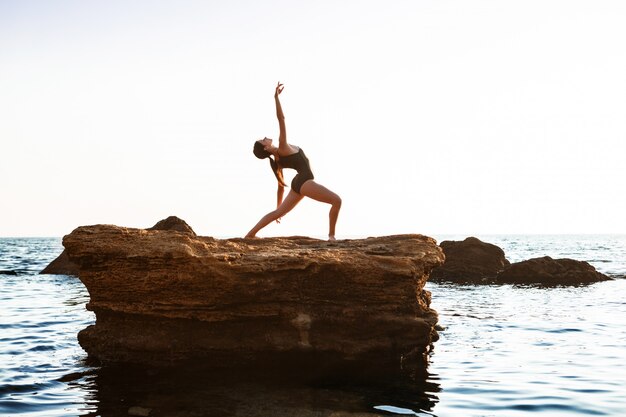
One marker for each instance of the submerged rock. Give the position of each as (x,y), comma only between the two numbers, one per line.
(546,270)
(470,260)
(162,297)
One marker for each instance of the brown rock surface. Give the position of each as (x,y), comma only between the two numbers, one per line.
(546,270)
(470,260)
(61,266)
(173,223)
(163,296)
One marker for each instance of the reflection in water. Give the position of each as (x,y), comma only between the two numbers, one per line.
(186,392)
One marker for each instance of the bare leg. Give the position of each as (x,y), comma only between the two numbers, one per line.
(288,203)
(318,192)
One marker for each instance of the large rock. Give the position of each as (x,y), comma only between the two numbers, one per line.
(470,260)
(163,296)
(546,270)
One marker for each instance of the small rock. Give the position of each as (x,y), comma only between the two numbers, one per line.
(470,260)
(7,272)
(548,271)
(173,223)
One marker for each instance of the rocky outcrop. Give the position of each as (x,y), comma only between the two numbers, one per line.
(163,297)
(470,260)
(63,266)
(550,271)
(477,262)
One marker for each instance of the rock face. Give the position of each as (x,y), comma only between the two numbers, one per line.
(550,271)
(470,260)
(163,296)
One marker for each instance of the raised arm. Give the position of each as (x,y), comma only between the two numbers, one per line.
(282,138)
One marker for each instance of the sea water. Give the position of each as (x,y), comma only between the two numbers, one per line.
(504,350)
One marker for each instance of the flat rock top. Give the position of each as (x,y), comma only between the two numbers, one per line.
(88,245)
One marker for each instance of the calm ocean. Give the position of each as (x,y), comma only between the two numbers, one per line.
(505,350)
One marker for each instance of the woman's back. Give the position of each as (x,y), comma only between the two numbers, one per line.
(297,161)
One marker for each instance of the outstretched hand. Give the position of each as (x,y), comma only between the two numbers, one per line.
(279,89)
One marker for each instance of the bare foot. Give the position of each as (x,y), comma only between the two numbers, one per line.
(331,238)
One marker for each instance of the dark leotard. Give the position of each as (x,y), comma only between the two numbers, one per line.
(300,163)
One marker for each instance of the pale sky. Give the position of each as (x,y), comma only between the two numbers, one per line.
(432,117)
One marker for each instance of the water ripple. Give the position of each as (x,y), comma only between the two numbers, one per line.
(506,351)
(38,332)
(569,337)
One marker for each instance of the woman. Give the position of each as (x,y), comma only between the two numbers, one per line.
(303,185)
